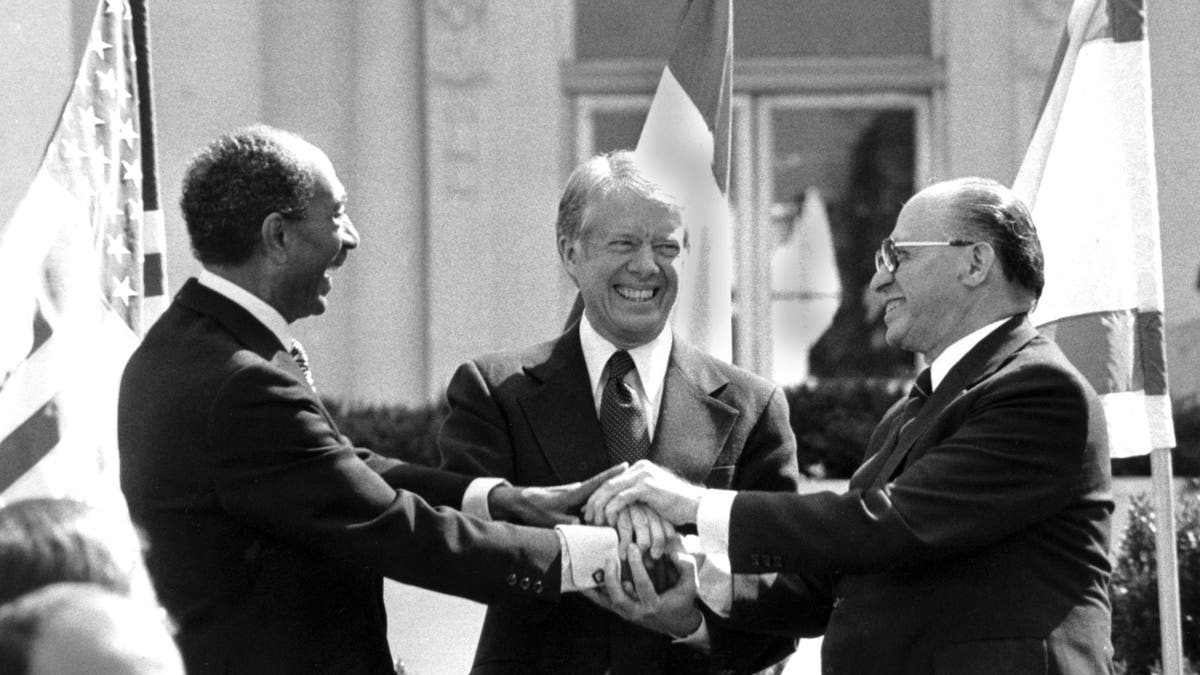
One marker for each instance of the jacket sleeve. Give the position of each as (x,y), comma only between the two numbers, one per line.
(280,466)
(1008,456)
(474,440)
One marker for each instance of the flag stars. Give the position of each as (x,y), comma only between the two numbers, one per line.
(87,116)
(99,46)
(123,290)
(109,82)
(126,133)
(116,247)
(133,171)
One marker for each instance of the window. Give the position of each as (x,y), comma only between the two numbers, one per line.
(827,143)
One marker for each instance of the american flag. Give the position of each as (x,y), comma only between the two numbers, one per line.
(82,275)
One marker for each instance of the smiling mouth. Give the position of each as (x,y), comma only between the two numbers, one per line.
(890,305)
(636,294)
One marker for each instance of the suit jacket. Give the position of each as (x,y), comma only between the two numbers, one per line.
(987,550)
(530,417)
(268,533)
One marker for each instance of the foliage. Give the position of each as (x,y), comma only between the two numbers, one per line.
(1134,586)
(833,419)
(402,432)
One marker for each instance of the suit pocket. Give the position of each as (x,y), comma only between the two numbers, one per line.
(720,477)
(1001,656)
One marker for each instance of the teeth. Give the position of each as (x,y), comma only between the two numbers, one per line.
(636,295)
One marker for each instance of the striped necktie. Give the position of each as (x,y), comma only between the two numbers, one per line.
(301,359)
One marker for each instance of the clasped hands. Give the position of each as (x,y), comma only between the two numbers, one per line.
(643,503)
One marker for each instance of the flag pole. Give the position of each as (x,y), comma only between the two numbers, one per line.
(153,239)
(1162,489)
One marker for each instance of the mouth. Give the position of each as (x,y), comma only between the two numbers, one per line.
(636,294)
(891,304)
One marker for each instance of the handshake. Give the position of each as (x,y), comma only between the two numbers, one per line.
(656,584)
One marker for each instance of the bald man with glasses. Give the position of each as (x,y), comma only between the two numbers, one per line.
(975,536)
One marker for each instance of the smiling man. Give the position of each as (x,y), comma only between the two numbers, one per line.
(975,536)
(618,386)
(269,534)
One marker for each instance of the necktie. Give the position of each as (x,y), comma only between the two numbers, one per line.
(621,417)
(917,396)
(301,359)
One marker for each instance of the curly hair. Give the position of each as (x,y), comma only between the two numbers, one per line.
(235,182)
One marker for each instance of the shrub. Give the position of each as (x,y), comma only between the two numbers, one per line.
(1134,586)
(833,419)
(401,432)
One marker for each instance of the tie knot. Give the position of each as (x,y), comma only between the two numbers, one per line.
(619,365)
(923,385)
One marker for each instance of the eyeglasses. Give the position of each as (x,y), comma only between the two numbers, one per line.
(888,255)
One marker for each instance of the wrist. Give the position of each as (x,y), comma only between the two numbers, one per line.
(687,625)
(500,502)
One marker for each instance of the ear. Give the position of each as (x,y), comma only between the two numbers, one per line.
(980,262)
(569,253)
(273,236)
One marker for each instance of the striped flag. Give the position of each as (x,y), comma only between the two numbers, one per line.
(1089,177)
(82,273)
(687,131)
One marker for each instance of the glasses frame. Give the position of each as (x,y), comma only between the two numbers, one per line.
(888,255)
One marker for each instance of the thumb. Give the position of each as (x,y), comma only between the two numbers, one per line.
(586,488)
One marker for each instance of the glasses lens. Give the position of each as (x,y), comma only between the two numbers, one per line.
(885,257)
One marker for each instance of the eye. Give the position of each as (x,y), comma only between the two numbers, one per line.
(622,245)
(667,249)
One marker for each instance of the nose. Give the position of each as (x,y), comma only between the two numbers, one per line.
(881,279)
(642,262)
(349,234)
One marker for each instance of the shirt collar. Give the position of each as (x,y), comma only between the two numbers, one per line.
(651,358)
(954,353)
(266,314)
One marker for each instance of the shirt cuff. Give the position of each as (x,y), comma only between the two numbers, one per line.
(586,550)
(698,639)
(714,576)
(475,499)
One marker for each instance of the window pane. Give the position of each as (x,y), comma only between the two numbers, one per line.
(623,29)
(858,163)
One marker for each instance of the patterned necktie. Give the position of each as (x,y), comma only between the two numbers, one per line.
(621,417)
(301,359)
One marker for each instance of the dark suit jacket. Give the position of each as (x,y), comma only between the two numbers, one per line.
(268,533)
(530,417)
(988,551)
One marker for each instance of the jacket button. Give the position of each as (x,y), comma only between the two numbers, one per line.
(778,560)
(837,601)
(511,580)
(525,583)
(537,586)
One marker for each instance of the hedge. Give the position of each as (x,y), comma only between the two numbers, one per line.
(832,419)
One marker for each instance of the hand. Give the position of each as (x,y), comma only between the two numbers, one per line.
(641,526)
(673,498)
(673,612)
(546,506)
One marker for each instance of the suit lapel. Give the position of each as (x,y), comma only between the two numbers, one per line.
(562,412)
(979,363)
(240,323)
(693,425)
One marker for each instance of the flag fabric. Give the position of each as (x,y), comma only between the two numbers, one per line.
(687,132)
(806,290)
(82,279)
(1089,178)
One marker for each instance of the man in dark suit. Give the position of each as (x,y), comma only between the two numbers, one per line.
(538,417)
(975,537)
(268,533)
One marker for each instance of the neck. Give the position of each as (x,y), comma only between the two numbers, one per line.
(248,277)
